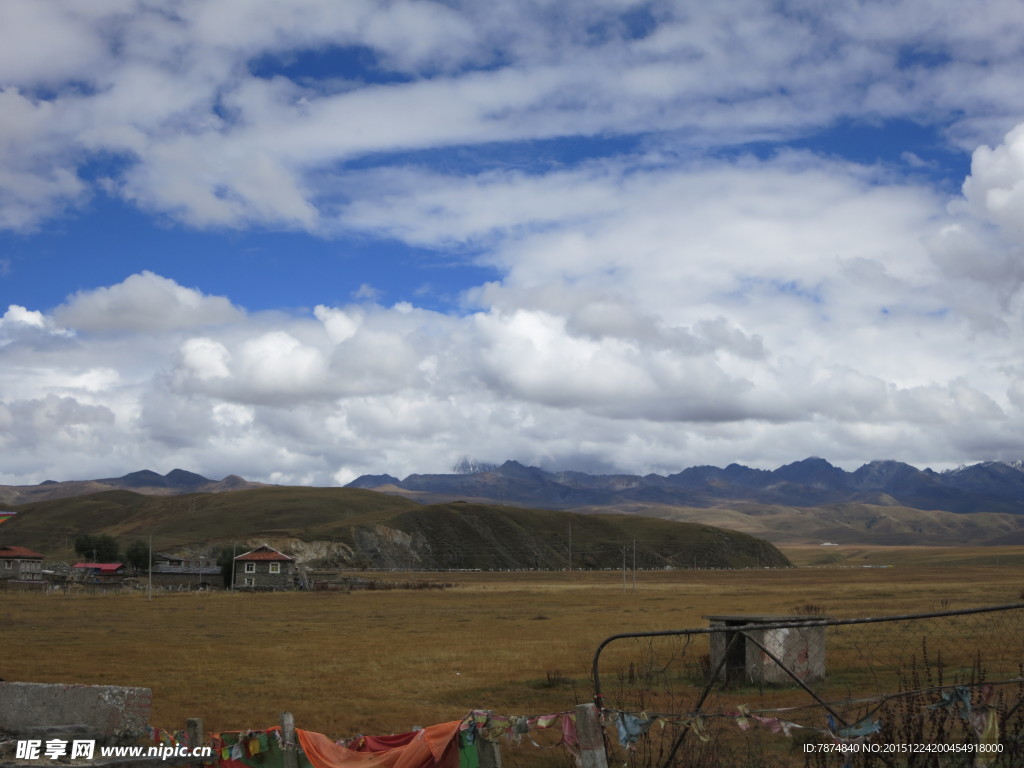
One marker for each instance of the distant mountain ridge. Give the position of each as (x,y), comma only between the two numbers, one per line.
(813,482)
(808,501)
(145,481)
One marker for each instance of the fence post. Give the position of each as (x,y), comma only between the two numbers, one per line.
(194,734)
(289,744)
(488,752)
(590,736)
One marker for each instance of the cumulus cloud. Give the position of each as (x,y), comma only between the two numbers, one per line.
(995,189)
(39,431)
(19,317)
(730,311)
(23,325)
(205,358)
(339,324)
(683,296)
(144,302)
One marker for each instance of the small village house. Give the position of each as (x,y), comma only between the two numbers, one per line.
(99,572)
(264,568)
(182,570)
(20,564)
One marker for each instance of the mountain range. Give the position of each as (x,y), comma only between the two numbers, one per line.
(994,487)
(147,482)
(805,502)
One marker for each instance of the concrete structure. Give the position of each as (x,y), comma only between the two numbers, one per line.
(110,714)
(590,737)
(265,568)
(20,564)
(801,650)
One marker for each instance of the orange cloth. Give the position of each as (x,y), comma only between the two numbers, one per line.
(436,746)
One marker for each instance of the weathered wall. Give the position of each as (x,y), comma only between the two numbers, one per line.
(109,713)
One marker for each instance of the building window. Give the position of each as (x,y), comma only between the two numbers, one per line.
(275,567)
(8,564)
(250,582)
(250,567)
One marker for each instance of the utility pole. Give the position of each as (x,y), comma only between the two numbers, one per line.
(634,565)
(150,566)
(570,547)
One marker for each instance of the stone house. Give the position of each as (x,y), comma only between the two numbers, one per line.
(182,570)
(20,564)
(265,568)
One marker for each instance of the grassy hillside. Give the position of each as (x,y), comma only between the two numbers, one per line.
(847,523)
(862,556)
(375,530)
(463,535)
(306,513)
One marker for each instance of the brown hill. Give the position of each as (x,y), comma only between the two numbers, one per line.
(358,528)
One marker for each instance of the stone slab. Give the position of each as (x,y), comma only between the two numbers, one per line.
(116,714)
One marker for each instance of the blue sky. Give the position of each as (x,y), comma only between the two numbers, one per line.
(302,242)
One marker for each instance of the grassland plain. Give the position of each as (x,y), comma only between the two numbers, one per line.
(384,661)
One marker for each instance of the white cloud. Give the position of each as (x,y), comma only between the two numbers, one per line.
(21,324)
(278,362)
(205,358)
(731,311)
(995,189)
(57,424)
(671,302)
(144,302)
(210,142)
(37,175)
(339,324)
(46,42)
(20,316)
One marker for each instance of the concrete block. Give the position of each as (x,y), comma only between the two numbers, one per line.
(117,715)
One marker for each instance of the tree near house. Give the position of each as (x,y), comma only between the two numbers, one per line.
(97,548)
(226,563)
(137,555)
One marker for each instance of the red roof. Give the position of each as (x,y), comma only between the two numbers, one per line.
(104,567)
(21,553)
(264,553)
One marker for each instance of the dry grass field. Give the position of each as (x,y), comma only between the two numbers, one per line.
(384,661)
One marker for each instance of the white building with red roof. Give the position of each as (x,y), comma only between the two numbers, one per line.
(20,564)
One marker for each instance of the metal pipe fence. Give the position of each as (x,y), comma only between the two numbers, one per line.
(943,688)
